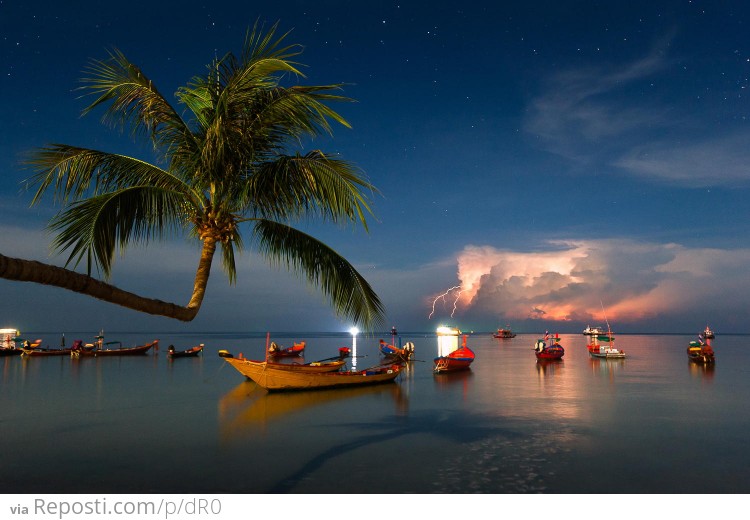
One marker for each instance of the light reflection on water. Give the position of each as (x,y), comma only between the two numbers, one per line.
(510,424)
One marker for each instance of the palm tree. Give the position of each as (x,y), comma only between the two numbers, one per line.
(230,165)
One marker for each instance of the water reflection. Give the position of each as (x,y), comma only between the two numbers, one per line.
(248,406)
(547,368)
(702,371)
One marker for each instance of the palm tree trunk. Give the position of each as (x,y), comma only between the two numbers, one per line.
(32,271)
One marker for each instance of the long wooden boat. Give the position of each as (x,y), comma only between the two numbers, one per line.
(10,351)
(459,359)
(102,349)
(191,352)
(700,353)
(286,377)
(39,352)
(296,350)
(552,352)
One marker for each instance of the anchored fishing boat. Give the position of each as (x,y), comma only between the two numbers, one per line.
(701,352)
(191,352)
(451,361)
(708,333)
(505,333)
(592,331)
(404,353)
(111,348)
(296,350)
(601,351)
(8,339)
(288,376)
(545,352)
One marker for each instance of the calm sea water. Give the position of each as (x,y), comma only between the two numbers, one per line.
(652,423)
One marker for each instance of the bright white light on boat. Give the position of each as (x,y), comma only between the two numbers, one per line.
(448,330)
(354,331)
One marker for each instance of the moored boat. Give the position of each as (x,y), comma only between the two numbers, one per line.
(404,353)
(592,331)
(545,352)
(286,377)
(296,350)
(708,333)
(505,333)
(459,359)
(191,352)
(8,339)
(111,348)
(701,353)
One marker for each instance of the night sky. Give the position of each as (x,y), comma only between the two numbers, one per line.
(552,159)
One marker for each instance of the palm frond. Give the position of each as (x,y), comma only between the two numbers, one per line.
(349,293)
(291,186)
(97,226)
(73,172)
(133,101)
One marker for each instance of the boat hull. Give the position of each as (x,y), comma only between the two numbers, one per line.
(460,359)
(276,377)
(550,354)
(191,352)
(46,352)
(130,351)
(10,352)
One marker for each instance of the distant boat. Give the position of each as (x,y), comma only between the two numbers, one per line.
(8,339)
(505,333)
(592,331)
(552,352)
(459,359)
(191,352)
(708,333)
(700,352)
(296,350)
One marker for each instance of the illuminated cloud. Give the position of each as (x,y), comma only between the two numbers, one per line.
(632,280)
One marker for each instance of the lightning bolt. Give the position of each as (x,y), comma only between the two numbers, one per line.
(458,290)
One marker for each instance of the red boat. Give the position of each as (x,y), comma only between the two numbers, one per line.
(546,352)
(295,350)
(459,359)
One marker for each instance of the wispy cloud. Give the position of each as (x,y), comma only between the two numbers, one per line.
(592,117)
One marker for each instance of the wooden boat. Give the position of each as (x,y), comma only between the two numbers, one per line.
(39,352)
(286,377)
(708,333)
(404,353)
(505,333)
(34,349)
(459,359)
(191,352)
(700,353)
(105,349)
(10,351)
(552,352)
(296,350)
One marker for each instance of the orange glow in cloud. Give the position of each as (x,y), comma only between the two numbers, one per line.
(632,280)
